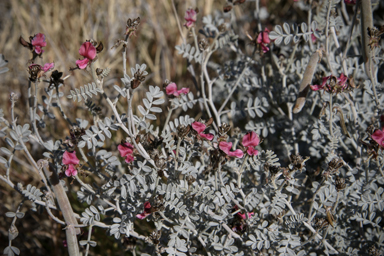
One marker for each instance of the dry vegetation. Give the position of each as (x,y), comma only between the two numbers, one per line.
(67,24)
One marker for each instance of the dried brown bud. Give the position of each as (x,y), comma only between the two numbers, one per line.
(320,223)
(100,47)
(224,129)
(183,131)
(340,183)
(227,8)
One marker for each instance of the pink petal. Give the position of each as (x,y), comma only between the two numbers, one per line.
(250,139)
(38,50)
(183,90)
(39,40)
(71,171)
(342,79)
(316,87)
(190,15)
(225,146)
(237,153)
(82,64)
(87,50)
(125,149)
(313,37)
(48,66)
(129,159)
(266,39)
(378,136)
(147,205)
(208,136)
(264,48)
(171,89)
(199,127)
(252,151)
(141,215)
(70,158)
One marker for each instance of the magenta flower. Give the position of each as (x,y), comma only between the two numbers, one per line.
(48,66)
(88,51)
(39,41)
(340,85)
(378,136)
(350,1)
(126,150)
(190,17)
(227,146)
(70,160)
(199,128)
(147,211)
(171,89)
(263,40)
(250,141)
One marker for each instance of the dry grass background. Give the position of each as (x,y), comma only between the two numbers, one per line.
(67,24)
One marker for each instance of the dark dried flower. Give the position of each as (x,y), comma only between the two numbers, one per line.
(224,129)
(373,251)
(132,26)
(374,36)
(298,161)
(333,167)
(129,243)
(271,168)
(227,8)
(55,80)
(203,44)
(182,131)
(320,223)
(340,183)
(76,133)
(139,77)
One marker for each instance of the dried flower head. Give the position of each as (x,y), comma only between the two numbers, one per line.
(131,27)
(340,183)
(37,71)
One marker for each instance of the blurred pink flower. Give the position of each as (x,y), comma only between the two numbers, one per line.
(39,41)
(350,1)
(171,89)
(251,140)
(263,40)
(199,128)
(190,17)
(48,66)
(378,136)
(88,51)
(227,146)
(126,150)
(147,211)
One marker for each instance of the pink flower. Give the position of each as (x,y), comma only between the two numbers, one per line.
(48,66)
(341,84)
(147,211)
(39,41)
(378,136)
(199,128)
(350,1)
(70,159)
(251,140)
(263,39)
(227,146)
(126,150)
(88,51)
(71,171)
(171,89)
(242,215)
(190,17)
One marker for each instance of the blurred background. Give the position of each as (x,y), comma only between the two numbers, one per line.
(66,25)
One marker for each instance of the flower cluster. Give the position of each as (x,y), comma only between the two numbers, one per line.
(250,141)
(147,211)
(70,160)
(332,84)
(126,150)
(35,44)
(263,40)
(199,128)
(171,89)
